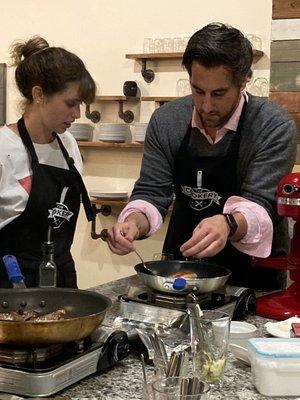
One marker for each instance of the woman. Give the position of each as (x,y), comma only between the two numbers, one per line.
(40,164)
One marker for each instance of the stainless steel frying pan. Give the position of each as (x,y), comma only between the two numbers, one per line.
(210,277)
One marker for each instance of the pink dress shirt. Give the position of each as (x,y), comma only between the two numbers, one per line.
(258,239)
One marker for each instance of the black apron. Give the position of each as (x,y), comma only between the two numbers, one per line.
(203,181)
(54,200)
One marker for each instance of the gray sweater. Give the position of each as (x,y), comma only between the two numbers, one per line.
(266,154)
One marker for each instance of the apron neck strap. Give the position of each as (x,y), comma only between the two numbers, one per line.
(26,139)
(90,215)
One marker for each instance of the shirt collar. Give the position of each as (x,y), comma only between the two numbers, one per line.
(233,121)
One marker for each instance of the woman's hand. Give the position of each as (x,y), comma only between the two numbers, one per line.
(208,238)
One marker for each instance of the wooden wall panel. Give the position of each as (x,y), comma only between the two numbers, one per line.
(290,101)
(297,120)
(286,9)
(286,29)
(3,69)
(285,77)
(298,155)
(285,50)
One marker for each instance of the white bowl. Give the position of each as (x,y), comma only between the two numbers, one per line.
(240,332)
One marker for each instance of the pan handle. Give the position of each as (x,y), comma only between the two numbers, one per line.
(13,271)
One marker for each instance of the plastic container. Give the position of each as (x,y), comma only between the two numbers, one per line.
(275,366)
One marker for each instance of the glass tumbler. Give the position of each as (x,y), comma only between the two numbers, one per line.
(168,45)
(158,45)
(148,45)
(180,388)
(178,44)
(209,344)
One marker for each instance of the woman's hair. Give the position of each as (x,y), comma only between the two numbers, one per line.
(51,68)
(220,45)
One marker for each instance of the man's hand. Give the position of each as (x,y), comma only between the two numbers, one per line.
(121,237)
(208,239)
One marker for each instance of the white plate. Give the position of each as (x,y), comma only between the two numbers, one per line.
(114,194)
(240,353)
(281,329)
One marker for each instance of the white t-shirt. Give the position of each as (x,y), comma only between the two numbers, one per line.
(15,169)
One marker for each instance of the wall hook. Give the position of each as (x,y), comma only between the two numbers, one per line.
(94,116)
(127,116)
(147,74)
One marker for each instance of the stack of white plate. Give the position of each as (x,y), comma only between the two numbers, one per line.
(108,132)
(138,130)
(81,131)
(109,194)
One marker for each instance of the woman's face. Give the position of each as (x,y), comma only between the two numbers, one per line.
(61,109)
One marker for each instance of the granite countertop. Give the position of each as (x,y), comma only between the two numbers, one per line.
(124,381)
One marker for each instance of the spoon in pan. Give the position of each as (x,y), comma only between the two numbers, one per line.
(104,236)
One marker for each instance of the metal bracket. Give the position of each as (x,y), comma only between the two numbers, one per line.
(94,116)
(147,74)
(127,116)
(104,210)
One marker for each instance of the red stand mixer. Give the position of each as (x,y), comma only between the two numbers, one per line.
(286,303)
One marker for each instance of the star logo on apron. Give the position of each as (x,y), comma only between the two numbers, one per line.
(60,213)
(200,198)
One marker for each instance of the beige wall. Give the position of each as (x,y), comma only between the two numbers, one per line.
(102,32)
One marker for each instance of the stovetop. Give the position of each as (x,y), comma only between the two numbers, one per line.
(29,375)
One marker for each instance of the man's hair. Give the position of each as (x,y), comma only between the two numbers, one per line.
(220,45)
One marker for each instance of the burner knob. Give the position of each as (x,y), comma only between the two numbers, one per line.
(5,304)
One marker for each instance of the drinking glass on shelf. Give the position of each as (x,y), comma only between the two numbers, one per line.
(255,41)
(185,41)
(158,45)
(162,256)
(183,87)
(209,343)
(178,44)
(168,45)
(148,45)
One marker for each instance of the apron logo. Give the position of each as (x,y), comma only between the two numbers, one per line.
(200,198)
(60,213)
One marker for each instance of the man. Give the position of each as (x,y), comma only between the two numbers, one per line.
(222,152)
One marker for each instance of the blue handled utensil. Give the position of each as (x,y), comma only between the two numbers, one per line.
(13,271)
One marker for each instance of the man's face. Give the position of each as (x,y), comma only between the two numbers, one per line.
(215,95)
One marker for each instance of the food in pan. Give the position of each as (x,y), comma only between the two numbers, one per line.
(184,274)
(32,316)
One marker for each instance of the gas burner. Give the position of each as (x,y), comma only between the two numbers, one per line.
(237,302)
(41,356)
(179,300)
(43,371)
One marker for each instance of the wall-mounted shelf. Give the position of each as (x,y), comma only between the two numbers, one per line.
(127,116)
(110,145)
(148,74)
(159,99)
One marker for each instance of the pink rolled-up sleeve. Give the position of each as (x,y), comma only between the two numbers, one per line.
(258,240)
(153,215)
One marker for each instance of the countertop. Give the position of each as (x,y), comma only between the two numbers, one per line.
(124,381)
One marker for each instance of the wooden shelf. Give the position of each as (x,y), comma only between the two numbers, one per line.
(158,98)
(154,56)
(111,98)
(109,145)
(103,202)
(112,202)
